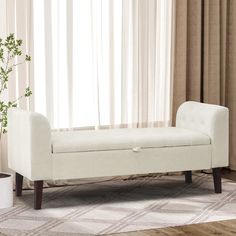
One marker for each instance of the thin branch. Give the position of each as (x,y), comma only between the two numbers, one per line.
(2,82)
(20,63)
(8,59)
(18,99)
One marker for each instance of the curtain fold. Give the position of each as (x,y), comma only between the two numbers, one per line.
(205,39)
(230,86)
(3,28)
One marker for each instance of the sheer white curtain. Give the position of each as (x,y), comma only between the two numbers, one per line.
(2,35)
(102,62)
(15,17)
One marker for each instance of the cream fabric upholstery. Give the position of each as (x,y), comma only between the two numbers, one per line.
(29,144)
(211,120)
(120,139)
(200,141)
(127,162)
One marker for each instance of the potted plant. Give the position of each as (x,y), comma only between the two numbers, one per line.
(10,52)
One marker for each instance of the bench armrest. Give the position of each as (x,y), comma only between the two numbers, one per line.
(29,144)
(211,120)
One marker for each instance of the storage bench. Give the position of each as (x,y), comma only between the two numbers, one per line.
(199,141)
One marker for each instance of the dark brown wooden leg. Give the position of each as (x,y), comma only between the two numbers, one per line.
(188,176)
(19,182)
(38,194)
(217,179)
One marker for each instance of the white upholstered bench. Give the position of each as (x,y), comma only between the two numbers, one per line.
(199,141)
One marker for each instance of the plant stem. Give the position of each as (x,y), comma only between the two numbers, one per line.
(17,99)
(17,64)
(8,58)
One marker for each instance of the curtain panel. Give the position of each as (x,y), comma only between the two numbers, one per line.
(205,49)
(3,35)
(15,17)
(102,63)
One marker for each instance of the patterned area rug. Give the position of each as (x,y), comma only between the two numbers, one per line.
(120,206)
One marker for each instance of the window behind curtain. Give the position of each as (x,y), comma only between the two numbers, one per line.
(103,62)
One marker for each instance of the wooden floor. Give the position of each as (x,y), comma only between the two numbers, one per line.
(224,228)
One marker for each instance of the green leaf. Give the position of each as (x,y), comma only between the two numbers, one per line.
(27,58)
(19,42)
(28,92)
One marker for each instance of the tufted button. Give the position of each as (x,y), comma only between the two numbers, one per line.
(136,149)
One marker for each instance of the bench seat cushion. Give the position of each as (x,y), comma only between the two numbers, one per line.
(123,139)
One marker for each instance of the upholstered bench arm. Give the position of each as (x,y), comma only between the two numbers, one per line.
(29,144)
(209,119)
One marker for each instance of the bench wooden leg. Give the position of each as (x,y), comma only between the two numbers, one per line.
(217,180)
(19,183)
(38,194)
(188,176)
